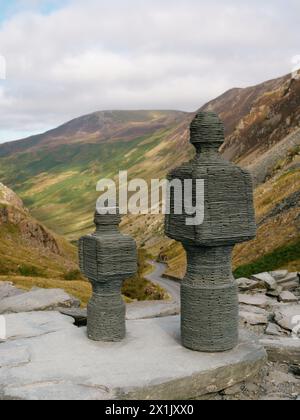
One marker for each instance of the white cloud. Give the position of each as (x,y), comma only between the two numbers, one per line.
(93,54)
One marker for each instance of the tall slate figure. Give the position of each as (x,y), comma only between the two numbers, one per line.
(107,258)
(209,293)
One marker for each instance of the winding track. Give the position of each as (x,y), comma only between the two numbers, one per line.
(172,287)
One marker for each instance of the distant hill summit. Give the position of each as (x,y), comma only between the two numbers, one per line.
(97,127)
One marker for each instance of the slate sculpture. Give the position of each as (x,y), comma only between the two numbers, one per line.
(209,293)
(107,258)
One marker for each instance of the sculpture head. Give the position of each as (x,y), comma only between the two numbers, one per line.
(107,255)
(107,219)
(207,128)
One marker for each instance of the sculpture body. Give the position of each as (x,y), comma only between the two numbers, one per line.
(209,293)
(107,258)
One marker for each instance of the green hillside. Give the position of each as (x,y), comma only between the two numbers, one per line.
(58,182)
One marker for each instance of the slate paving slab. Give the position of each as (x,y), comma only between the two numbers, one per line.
(7,289)
(56,361)
(38,300)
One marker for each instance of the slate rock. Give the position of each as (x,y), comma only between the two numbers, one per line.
(254,310)
(247,284)
(291,285)
(287,316)
(38,300)
(291,277)
(275,293)
(279,274)
(78,314)
(274,330)
(282,349)
(266,279)
(287,297)
(253,319)
(258,300)
(7,289)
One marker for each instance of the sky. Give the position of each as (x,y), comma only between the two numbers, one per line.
(61,59)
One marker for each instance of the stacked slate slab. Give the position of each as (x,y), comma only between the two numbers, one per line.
(209,293)
(107,258)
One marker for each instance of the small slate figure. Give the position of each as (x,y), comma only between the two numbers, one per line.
(209,293)
(107,258)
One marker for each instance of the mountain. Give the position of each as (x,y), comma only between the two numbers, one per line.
(56,173)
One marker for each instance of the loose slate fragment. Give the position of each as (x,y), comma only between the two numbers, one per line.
(279,274)
(288,297)
(274,330)
(259,300)
(291,277)
(267,280)
(247,284)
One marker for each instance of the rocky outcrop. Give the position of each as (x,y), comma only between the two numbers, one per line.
(288,203)
(7,196)
(274,316)
(282,153)
(258,118)
(13,212)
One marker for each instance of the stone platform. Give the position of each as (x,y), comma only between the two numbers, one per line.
(46,357)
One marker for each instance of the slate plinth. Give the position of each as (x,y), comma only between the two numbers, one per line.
(48,358)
